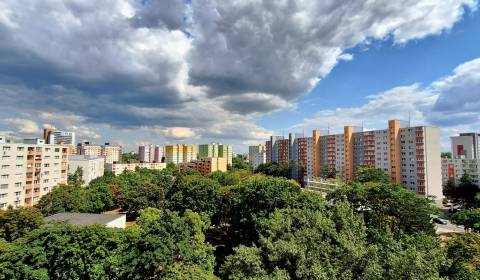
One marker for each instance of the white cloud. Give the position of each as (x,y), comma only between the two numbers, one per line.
(23,125)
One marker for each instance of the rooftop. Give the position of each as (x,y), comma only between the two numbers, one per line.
(83,219)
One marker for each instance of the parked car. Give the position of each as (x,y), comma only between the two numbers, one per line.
(440,221)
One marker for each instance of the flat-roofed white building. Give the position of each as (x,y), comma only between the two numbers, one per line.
(92,167)
(119,168)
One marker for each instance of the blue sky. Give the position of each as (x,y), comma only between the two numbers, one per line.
(382,65)
(134,72)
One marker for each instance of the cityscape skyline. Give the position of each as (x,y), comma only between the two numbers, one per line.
(173,81)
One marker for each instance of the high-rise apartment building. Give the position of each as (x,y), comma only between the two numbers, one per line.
(58,137)
(466,146)
(30,170)
(465,159)
(409,155)
(257,155)
(151,153)
(216,150)
(87,149)
(112,153)
(180,153)
(92,167)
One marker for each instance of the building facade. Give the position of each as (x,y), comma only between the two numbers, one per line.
(119,168)
(151,153)
(409,155)
(207,165)
(87,149)
(216,150)
(257,155)
(28,171)
(112,153)
(180,153)
(466,146)
(92,167)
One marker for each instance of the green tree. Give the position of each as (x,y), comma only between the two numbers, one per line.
(257,197)
(17,222)
(469,218)
(130,157)
(63,198)
(225,178)
(196,193)
(327,172)
(240,162)
(167,245)
(463,254)
(76,179)
(274,169)
(450,188)
(467,189)
(446,155)
(365,174)
(389,207)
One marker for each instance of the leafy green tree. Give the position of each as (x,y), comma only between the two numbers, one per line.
(257,197)
(99,197)
(17,222)
(63,198)
(389,207)
(76,179)
(225,178)
(130,157)
(467,189)
(366,174)
(327,172)
(274,169)
(62,252)
(446,155)
(166,245)
(450,188)
(469,218)
(463,254)
(240,162)
(196,193)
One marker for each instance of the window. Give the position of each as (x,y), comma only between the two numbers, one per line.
(4,177)
(20,149)
(18,166)
(4,186)
(35,198)
(6,148)
(5,166)
(3,195)
(5,157)
(17,203)
(57,150)
(18,184)
(17,194)
(19,157)
(3,205)
(47,149)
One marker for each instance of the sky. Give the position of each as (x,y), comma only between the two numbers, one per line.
(134,72)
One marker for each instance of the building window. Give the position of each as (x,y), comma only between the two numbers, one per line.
(3,205)
(5,166)
(6,148)
(3,195)
(17,194)
(4,177)
(19,157)
(20,149)
(18,184)
(4,186)
(5,157)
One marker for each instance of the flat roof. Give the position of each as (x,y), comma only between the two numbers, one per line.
(83,218)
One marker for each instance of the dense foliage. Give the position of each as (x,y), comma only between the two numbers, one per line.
(236,225)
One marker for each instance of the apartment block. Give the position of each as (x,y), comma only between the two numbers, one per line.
(87,149)
(207,165)
(409,155)
(92,167)
(180,153)
(466,146)
(151,153)
(29,170)
(112,153)
(53,136)
(119,168)
(257,155)
(216,150)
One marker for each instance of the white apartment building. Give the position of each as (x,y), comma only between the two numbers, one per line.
(88,149)
(454,168)
(258,158)
(466,146)
(119,168)
(92,167)
(29,170)
(151,153)
(112,153)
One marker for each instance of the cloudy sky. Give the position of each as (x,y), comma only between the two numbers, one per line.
(195,71)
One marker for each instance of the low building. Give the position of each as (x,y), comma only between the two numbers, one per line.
(119,168)
(454,168)
(85,219)
(208,165)
(92,167)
